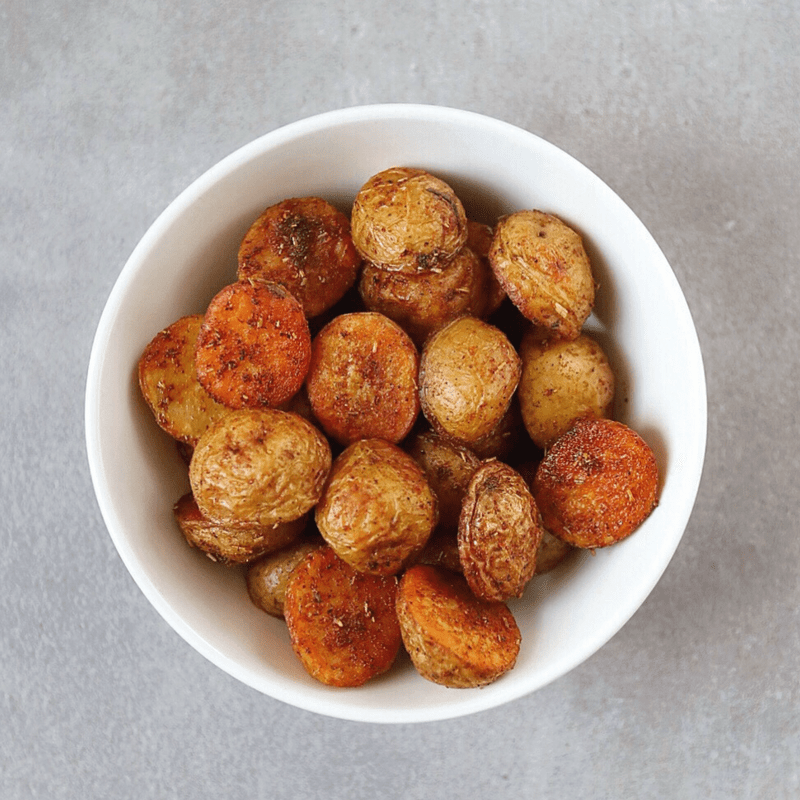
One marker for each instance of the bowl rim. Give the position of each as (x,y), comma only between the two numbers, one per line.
(472,702)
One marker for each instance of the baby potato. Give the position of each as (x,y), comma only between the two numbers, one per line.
(552,551)
(232,542)
(266,578)
(561,381)
(468,374)
(169,385)
(543,267)
(596,484)
(408,220)
(362,378)
(254,345)
(489,294)
(499,533)
(304,244)
(423,302)
(259,467)
(377,510)
(342,623)
(454,639)
(506,437)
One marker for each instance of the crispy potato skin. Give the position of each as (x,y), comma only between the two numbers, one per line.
(377,510)
(468,374)
(454,639)
(233,542)
(542,265)
(561,381)
(254,345)
(596,484)
(169,385)
(408,220)
(499,533)
(342,623)
(362,378)
(304,244)
(259,467)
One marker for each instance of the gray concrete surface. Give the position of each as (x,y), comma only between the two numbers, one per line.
(689,110)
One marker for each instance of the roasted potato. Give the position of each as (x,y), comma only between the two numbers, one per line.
(441,550)
(259,467)
(596,484)
(408,220)
(552,551)
(362,379)
(489,294)
(499,533)
(304,244)
(542,265)
(377,510)
(454,639)
(232,542)
(169,385)
(342,623)
(468,374)
(507,437)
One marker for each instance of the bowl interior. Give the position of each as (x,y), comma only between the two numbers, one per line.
(189,253)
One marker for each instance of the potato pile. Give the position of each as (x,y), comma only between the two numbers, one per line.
(394,421)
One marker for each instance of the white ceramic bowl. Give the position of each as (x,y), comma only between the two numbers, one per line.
(190,252)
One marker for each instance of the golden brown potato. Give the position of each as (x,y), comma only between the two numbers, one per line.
(543,267)
(552,551)
(423,302)
(454,639)
(169,385)
(260,467)
(342,623)
(304,244)
(232,542)
(377,510)
(488,293)
(266,578)
(448,467)
(499,533)
(468,374)
(254,345)
(596,484)
(561,381)
(362,379)
(408,220)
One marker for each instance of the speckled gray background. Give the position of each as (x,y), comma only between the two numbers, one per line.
(689,110)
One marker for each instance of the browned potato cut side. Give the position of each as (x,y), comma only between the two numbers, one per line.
(304,244)
(169,385)
(342,623)
(454,639)
(254,345)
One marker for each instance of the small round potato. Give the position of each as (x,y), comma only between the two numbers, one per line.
(408,220)
(543,267)
(489,293)
(260,467)
(561,381)
(377,510)
(362,379)
(596,484)
(468,374)
(232,542)
(304,244)
(499,533)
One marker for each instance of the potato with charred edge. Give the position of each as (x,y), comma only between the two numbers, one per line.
(543,267)
(342,623)
(169,385)
(259,467)
(596,484)
(561,381)
(377,510)
(454,639)
(232,542)
(254,345)
(499,533)
(362,378)
(304,244)
(408,220)
(468,374)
